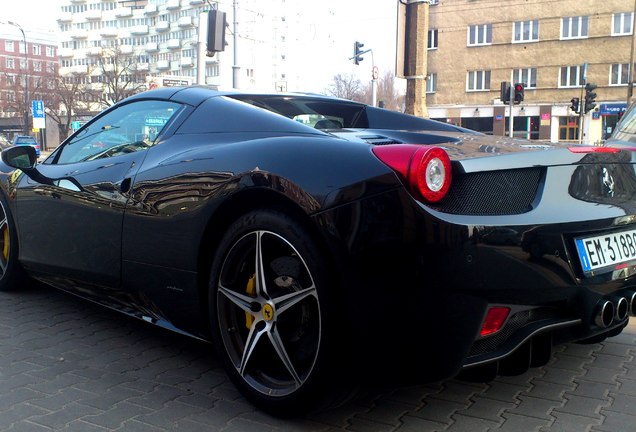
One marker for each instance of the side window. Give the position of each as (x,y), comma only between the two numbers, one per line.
(128,128)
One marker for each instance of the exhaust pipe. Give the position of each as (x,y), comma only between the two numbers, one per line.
(631,300)
(621,306)
(605,312)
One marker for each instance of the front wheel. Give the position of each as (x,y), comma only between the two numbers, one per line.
(11,273)
(271,315)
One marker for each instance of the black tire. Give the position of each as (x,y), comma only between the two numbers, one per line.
(11,274)
(281,310)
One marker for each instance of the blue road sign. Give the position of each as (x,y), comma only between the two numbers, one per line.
(37,106)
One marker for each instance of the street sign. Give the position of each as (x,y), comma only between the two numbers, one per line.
(37,108)
(75,125)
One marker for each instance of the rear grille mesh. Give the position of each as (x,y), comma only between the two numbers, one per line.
(493,193)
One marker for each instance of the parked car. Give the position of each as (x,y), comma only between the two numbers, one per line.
(21,140)
(314,255)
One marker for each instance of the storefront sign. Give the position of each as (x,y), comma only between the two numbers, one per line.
(498,117)
(613,109)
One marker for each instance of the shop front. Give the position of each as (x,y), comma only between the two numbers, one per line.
(611,113)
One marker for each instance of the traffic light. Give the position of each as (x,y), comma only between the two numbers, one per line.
(505,92)
(575,105)
(519,92)
(590,97)
(357,51)
(216,31)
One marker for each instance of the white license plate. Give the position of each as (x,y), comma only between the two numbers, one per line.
(606,250)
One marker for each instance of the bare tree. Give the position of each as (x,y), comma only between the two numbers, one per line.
(120,76)
(346,87)
(72,99)
(387,92)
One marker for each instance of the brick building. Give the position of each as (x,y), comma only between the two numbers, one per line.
(474,45)
(37,68)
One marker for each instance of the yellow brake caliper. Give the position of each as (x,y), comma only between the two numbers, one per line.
(250,290)
(5,239)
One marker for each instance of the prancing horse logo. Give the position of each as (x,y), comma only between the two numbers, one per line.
(268,312)
(608,182)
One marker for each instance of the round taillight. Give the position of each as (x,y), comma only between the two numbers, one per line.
(426,170)
(430,173)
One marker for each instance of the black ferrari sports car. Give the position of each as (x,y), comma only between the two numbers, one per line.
(318,242)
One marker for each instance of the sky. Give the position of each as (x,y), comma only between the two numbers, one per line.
(335,26)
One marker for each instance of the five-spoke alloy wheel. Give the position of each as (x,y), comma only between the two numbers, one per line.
(267,310)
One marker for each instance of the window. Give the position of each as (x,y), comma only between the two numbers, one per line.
(8,46)
(37,66)
(571,76)
(480,35)
(432,39)
(622,23)
(574,27)
(21,48)
(619,74)
(431,83)
(129,128)
(37,49)
(50,52)
(528,76)
(478,81)
(525,31)
(10,63)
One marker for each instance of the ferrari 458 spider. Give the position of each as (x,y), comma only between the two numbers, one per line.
(318,241)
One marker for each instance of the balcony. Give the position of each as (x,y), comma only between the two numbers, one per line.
(142,66)
(196,2)
(151,9)
(174,66)
(123,12)
(152,47)
(78,1)
(126,49)
(173,43)
(137,30)
(79,69)
(94,51)
(186,62)
(65,17)
(173,4)
(163,64)
(108,32)
(162,26)
(185,21)
(78,34)
(93,15)
(65,52)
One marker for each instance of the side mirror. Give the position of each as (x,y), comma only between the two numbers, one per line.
(21,157)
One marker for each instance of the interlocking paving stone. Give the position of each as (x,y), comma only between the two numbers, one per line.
(68,365)
(582,406)
(520,423)
(549,390)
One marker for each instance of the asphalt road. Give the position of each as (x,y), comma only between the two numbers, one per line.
(66,364)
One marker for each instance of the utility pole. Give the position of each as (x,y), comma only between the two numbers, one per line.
(235,68)
(25,126)
(201,48)
(412,56)
(511,102)
(630,81)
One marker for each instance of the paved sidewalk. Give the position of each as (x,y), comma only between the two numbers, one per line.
(68,365)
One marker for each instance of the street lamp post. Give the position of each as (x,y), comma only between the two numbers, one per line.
(26,76)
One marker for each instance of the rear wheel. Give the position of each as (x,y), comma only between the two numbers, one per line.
(271,315)
(11,274)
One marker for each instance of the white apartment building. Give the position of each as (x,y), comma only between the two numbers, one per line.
(162,35)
